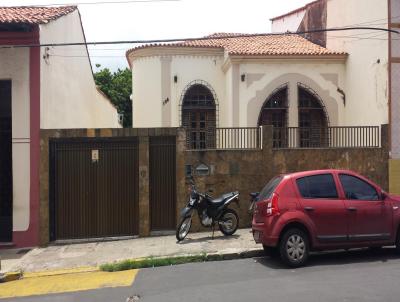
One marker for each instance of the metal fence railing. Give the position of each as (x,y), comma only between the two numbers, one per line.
(224,138)
(327,137)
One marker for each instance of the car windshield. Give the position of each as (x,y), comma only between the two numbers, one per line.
(269,188)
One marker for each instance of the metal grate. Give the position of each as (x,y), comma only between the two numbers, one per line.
(229,138)
(328,137)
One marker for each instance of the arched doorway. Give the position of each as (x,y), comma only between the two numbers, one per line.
(313,120)
(275,112)
(199,116)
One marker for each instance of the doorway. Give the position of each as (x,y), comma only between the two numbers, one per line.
(6,184)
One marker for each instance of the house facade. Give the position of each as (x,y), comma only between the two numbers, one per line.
(309,81)
(245,81)
(40,88)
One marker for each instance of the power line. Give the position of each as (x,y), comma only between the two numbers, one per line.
(99,3)
(155,41)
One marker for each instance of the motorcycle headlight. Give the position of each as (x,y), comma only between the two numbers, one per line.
(192,201)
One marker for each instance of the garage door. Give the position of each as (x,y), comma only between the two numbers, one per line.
(163,183)
(94,188)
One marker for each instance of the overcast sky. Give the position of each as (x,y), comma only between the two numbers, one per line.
(162,20)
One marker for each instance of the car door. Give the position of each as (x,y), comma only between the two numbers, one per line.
(369,217)
(320,201)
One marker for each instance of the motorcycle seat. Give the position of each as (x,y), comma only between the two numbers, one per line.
(254,194)
(221,200)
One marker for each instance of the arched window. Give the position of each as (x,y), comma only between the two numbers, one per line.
(199,116)
(274,112)
(313,120)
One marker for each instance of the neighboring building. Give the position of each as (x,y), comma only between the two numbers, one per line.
(372,70)
(310,16)
(40,88)
(394,95)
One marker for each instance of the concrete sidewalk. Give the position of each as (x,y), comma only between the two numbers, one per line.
(93,254)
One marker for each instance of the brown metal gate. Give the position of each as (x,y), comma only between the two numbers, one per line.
(94,188)
(163,182)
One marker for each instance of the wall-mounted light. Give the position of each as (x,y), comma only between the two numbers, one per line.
(243,77)
(341,91)
(175,79)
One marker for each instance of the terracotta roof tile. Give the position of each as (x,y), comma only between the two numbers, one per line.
(32,14)
(253,45)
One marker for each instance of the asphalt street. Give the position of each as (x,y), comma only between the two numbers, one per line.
(343,276)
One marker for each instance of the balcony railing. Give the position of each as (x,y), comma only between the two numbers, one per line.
(327,137)
(288,137)
(224,138)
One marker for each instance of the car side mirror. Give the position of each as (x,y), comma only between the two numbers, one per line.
(383,195)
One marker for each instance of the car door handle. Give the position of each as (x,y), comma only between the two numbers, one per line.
(352,209)
(309,209)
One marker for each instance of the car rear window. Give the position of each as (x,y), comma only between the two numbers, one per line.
(270,188)
(317,186)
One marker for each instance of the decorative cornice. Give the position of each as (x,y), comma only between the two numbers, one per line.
(173,51)
(322,59)
(291,58)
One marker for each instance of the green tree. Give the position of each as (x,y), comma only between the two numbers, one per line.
(118,87)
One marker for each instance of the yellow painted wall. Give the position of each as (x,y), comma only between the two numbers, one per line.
(394,176)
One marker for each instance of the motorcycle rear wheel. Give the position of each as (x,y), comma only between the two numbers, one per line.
(183,228)
(229,222)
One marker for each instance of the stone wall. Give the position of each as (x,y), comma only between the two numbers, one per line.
(248,171)
(229,170)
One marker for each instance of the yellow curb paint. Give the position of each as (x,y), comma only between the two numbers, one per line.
(12,276)
(62,283)
(82,269)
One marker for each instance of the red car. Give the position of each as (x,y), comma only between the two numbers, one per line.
(322,210)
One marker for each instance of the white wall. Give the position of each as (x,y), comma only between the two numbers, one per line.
(269,76)
(366,84)
(147,78)
(69,98)
(14,66)
(239,102)
(146,93)
(191,68)
(288,23)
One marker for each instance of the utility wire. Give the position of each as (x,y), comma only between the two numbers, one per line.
(99,3)
(200,38)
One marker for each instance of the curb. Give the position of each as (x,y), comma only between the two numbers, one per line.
(10,276)
(130,263)
(236,255)
(13,276)
(65,271)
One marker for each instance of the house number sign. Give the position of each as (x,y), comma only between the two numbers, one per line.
(95,156)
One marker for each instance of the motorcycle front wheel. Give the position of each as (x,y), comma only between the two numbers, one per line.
(183,228)
(229,222)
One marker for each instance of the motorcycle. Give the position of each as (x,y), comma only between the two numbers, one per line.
(253,200)
(210,211)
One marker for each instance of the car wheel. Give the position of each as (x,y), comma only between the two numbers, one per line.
(398,242)
(294,247)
